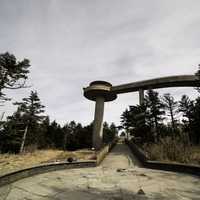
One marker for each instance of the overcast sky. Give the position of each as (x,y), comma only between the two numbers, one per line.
(73,42)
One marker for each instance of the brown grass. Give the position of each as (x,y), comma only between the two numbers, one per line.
(176,150)
(14,162)
(195,155)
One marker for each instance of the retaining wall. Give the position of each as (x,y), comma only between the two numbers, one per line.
(24,173)
(15,176)
(104,151)
(175,167)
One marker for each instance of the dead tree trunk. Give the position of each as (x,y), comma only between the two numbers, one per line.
(23,140)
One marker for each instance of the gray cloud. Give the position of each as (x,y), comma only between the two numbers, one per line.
(71,43)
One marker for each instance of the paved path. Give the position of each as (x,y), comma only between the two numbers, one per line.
(120,157)
(118,178)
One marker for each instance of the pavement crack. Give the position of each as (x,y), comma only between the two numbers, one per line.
(7,192)
(33,193)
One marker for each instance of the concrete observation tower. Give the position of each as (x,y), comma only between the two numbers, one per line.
(100,92)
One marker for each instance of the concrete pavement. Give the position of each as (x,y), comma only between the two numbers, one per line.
(119,177)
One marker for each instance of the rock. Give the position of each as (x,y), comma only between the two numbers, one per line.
(70,159)
(120,170)
(92,157)
(142,174)
(141,192)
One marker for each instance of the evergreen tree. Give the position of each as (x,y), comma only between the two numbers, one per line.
(134,121)
(31,109)
(55,135)
(44,134)
(171,106)
(126,119)
(198,76)
(13,73)
(84,136)
(109,132)
(191,113)
(11,133)
(186,107)
(155,109)
(196,122)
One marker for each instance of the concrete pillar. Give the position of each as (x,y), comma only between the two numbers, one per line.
(98,123)
(141,96)
(100,92)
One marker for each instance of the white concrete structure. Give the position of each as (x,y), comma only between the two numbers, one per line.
(98,122)
(99,91)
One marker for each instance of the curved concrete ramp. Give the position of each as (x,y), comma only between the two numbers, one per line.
(118,178)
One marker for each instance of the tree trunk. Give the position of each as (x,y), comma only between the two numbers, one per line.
(2,115)
(156,129)
(23,140)
(173,122)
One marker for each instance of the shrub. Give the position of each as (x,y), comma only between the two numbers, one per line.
(176,149)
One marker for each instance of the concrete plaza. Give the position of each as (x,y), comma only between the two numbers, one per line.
(119,177)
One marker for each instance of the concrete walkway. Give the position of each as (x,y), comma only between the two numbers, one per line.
(120,157)
(118,178)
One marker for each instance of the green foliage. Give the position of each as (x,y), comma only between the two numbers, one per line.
(195,122)
(126,119)
(109,132)
(53,135)
(171,108)
(146,121)
(134,121)
(13,73)
(11,133)
(191,114)
(155,111)
(198,76)
(31,109)
(28,116)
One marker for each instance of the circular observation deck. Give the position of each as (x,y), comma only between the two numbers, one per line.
(99,89)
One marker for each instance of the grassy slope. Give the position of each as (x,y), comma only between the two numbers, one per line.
(12,162)
(190,155)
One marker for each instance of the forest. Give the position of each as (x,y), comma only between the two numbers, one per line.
(29,128)
(165,128)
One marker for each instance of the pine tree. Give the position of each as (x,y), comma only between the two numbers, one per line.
(126,119)
(155,109)
(187,107)
(109,132)
(171,106)
(13,73)
(55,135)
(197,74)
(11,133)
(134,120)
(31,109)
(196,122)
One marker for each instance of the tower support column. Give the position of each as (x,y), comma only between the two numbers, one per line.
(98,123)
(141,96)
(100,92)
